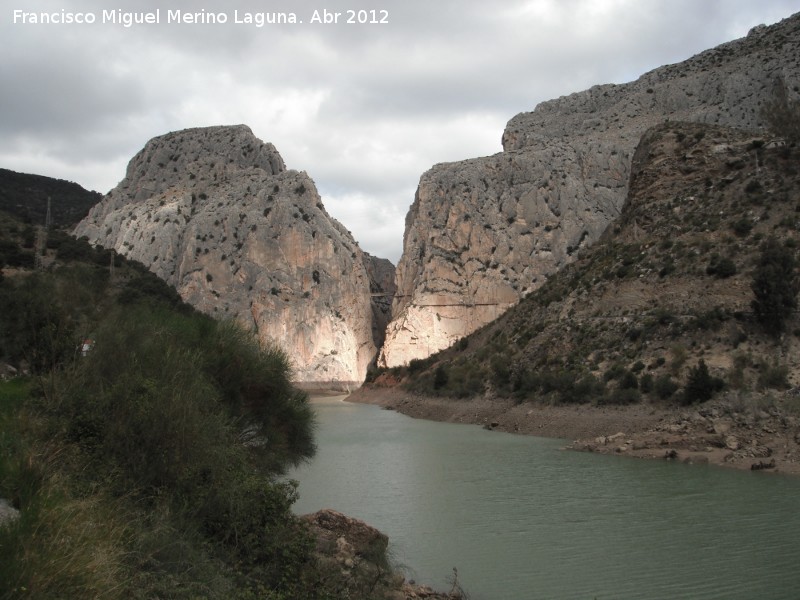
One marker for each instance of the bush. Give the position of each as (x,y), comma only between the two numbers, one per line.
(156,455)
(628,381)
(564,386)
(700,385)
(501,371)
(416,365)
(665,387)
(585,389)
(774,286)
(742,227)
(615,371)
(774,376)
(722,268)
(621,397)
(43,330)
(440,377)
(646,383)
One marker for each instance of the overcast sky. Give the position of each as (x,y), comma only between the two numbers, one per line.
(364,109)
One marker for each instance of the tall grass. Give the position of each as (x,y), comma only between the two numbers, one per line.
(149,467)
(64,547)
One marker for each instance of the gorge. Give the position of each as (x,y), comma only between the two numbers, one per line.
(620,281)
(215,212)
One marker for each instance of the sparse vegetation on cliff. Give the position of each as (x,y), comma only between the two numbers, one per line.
(775,286)
(660,308)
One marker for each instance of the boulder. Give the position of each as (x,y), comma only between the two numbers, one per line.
(732,443)
(345,536)
(8,514)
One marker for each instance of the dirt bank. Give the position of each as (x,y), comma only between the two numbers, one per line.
(750,435)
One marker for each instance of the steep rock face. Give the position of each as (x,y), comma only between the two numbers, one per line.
(382,289)
(484,232)
(214,212)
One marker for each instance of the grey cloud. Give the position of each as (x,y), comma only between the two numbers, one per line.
(364,109)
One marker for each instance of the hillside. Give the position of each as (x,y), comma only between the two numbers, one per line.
(668,287)
(485,232)
(142,445)
(25,196)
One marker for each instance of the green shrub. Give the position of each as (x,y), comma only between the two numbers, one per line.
(646,383)
(774,286)
(615,371)
(155,456)
(44,328)
(440,377)
(501,371)
(700,385)
(722,268)
(621,396)
(628,381)
(773,376)
(711,320)
(416,365)
(665,387)
(742,227)
(586,389)
(753,186)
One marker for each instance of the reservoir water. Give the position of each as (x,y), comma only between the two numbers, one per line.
(522,519)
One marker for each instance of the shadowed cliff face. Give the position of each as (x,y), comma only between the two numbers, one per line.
(483,233)
(214,212)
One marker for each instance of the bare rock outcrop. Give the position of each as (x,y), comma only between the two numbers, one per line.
(482,233)
(214,212)
(8,514)
(353,559)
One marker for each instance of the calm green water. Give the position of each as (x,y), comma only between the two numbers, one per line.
(522,519)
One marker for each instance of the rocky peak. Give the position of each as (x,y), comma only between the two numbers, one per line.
(483,233)
(210,151)
(214,212)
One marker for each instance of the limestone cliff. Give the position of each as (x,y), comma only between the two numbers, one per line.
(483,233)
(214,212)
(382,290)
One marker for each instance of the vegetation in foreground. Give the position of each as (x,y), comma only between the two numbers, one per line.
(144,448)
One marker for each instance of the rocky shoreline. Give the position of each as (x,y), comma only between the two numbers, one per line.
(354,552)
(757,434)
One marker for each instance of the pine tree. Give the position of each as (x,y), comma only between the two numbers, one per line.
(701,386)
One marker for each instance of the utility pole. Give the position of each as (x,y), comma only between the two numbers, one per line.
(41,239)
